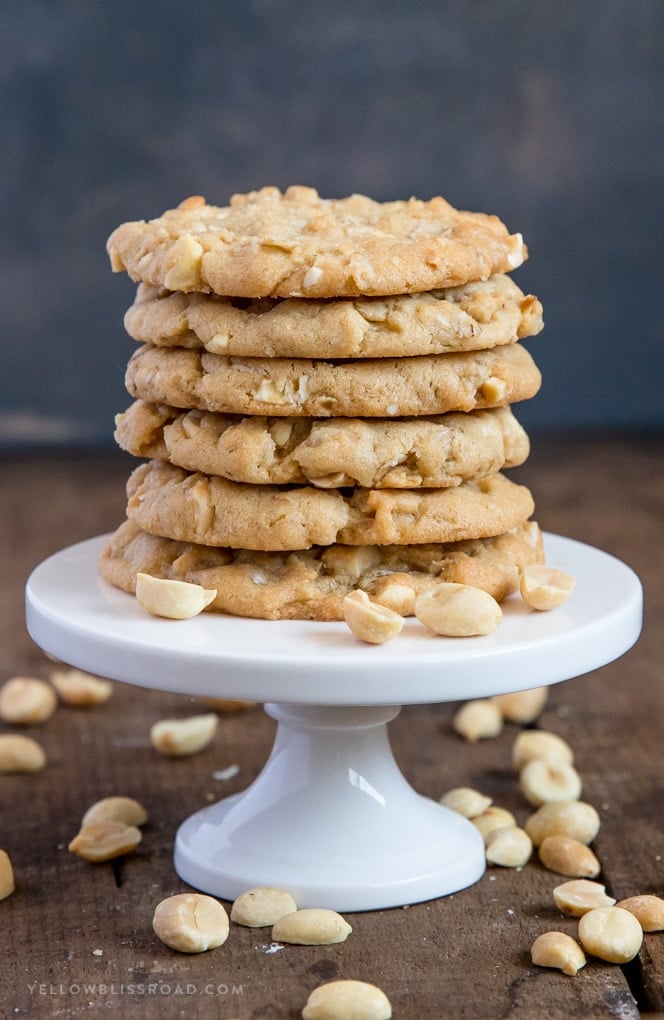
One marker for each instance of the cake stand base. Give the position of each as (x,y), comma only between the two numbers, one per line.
(330,817)
(377,843)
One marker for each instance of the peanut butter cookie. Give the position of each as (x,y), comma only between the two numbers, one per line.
(476,316)
(296,244)
(312,585)
(193,507)
(374,388)
(403,453)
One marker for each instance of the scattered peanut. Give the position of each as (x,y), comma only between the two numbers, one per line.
(543,782)
(544,588)
(115,809)
(181,737)
(648,911)
(370,622)
(191,922)
(478,720)
(261,907)
(79,689)
(311,927)
(611,933)
(540,744)
(457,610)
(20,754)
(563,818)
(6,876)
(523,706)
(465,801)
(568,857)
(493,818)
(102,841)
(556,949)
(25,700)
(347,1000)
(508,846)
(576,898)
(174,600)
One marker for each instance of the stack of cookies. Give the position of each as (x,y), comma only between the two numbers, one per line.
(323,392)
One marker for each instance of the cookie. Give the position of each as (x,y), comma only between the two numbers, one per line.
(381,387)
(312,584)
(297,244)
(476,316)
(193,507)
(403,453)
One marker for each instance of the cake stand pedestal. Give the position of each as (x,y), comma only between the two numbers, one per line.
(331,818)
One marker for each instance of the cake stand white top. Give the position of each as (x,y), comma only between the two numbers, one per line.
(75,615)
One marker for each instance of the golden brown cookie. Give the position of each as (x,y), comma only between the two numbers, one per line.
(192,507)
(476,316)
(403,453)
(381,387)
(297,244)
(312,584)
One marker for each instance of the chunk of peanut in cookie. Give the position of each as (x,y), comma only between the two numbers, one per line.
(370,622)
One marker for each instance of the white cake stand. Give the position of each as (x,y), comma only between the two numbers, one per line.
(331,817)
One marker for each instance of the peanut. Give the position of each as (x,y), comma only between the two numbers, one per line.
(544,588)
(543,782)
(115,809)
(563,818)
(181,737)
(311,927)
(261,907)
(458,610)
(25,700)
(522,706)
(101,841)
(347,1000)
(556,949)
(611,933)
(79,689)
(648,911)
(568,857)
(174,600)
(540,744)
(508,846)
(478,720)
(6,876)
(20,754)
(493,818)
(465,801)
(191,922)
(576,898)
(370,622)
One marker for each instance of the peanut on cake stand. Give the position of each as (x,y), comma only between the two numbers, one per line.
(331,818)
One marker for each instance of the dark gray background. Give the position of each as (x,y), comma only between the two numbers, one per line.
(548,114)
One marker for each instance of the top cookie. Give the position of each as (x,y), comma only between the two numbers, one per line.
(296,244)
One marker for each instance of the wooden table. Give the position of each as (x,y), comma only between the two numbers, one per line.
(76,939)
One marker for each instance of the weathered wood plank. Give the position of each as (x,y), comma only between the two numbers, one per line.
(463,956)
